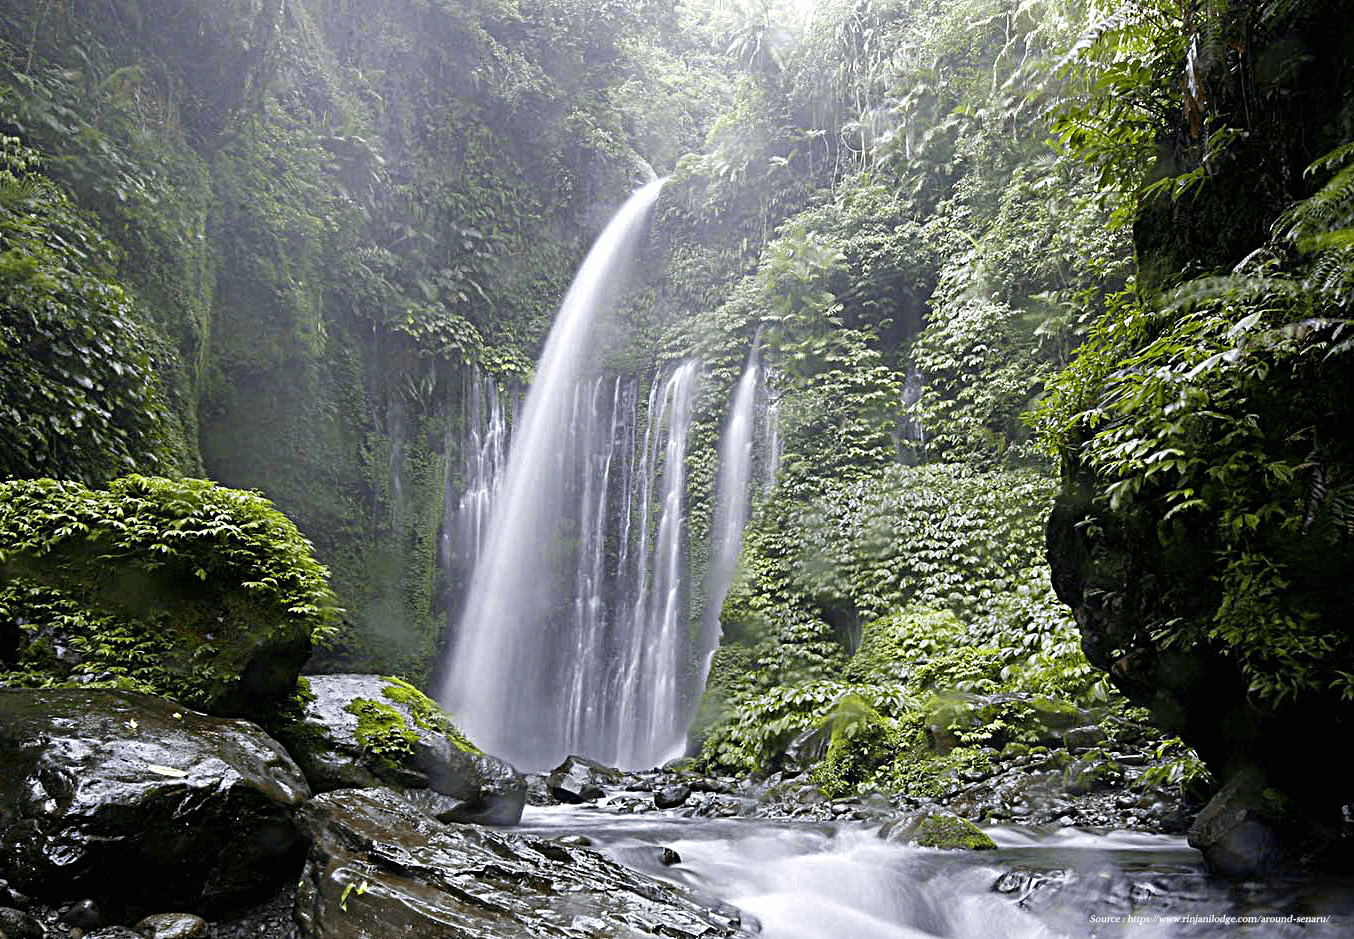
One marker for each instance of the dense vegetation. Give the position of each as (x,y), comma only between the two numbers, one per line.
(986,247)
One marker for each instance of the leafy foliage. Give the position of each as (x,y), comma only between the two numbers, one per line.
(79,394)
(1216,414)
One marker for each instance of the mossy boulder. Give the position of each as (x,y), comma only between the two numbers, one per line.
(175,587)
(369,731)
(935,828)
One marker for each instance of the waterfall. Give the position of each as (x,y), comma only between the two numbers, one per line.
(652,651)
(526,658)
(911,433)
(771,433)
(485,451)
(731,502)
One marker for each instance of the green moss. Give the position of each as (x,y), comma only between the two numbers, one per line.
(383,731)
(951,831)
(862,742)
(426,712)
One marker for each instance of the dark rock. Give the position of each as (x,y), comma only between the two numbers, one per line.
(16,924)
(806,750)
(669,857)
(173,926)
(1249,829)
(84,914)
(269,919)
(379,868)
(670,797)
(339,746)
(11,897)
(135,802)
(538,790)
(1084,738)
(574,841)
(579,779)
(1092,775)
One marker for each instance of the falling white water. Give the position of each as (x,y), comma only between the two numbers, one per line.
(485,453)
(652,650)
(771,430)
(510,681)
(731,502)
(468,496)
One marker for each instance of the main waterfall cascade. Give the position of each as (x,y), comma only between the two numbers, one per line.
(533,647)
(577,635)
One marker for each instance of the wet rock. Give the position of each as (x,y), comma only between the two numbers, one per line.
(83,914)
(936,828)
(1084,738)
(807,750)
(116,932)
(1249,829)
(13,898)
(670,797)
(379,868)
(16,924)
(669,857)
(579,779)
(364,731)
(1096,773)
(136,802)
(173,926)
(538,790)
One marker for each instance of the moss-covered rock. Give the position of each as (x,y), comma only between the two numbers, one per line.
(367,731)
(938,829)
(171,586)
(862,742)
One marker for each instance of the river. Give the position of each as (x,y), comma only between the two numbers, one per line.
(821,880)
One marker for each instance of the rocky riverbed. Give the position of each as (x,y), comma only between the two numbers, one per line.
(126,816)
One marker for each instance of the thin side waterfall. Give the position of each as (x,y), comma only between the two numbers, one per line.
(486,440)
(512,682)
(653,651)
(771,443)
(731,502)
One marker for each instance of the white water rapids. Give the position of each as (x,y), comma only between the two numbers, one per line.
(807,880)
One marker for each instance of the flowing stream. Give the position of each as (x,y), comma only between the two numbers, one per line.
(804,880)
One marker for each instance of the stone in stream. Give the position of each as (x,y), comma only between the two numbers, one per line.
(83,914)
(138,803)
(936,828)
(379,868)
(1249,829)
(17,924)
(173,926)
(364,731)
(579,779)
(670,797)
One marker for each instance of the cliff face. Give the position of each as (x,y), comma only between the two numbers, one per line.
(1213,589)
(334,218)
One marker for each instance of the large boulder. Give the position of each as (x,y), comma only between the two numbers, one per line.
(378,868)
(141,804)
(364,731)
(170,586)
